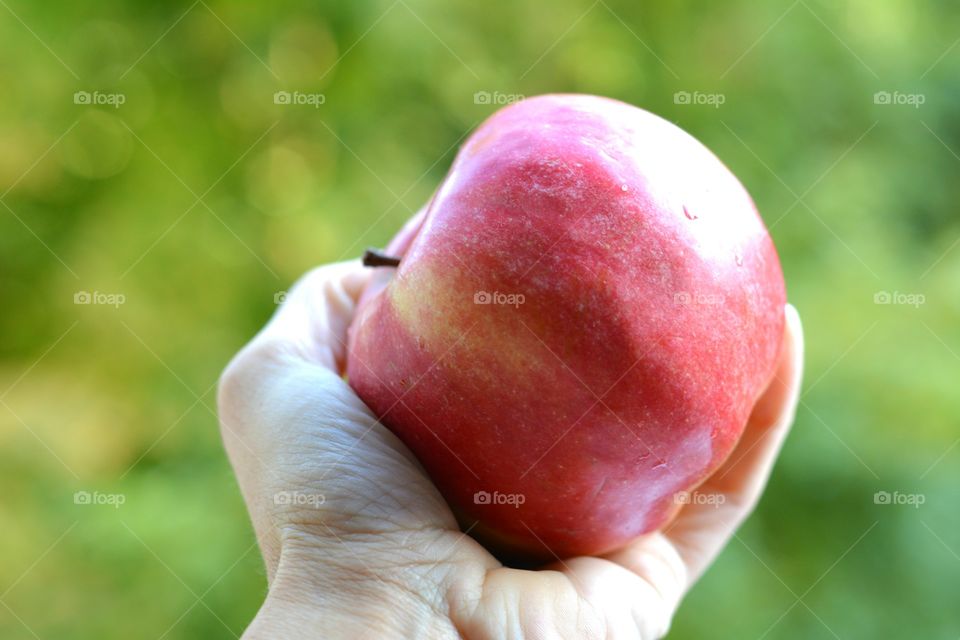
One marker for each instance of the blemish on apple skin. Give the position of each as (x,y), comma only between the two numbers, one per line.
(599,489)
(687,213)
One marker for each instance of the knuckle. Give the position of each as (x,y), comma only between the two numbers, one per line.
(241,383)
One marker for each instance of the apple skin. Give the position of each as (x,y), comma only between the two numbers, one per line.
(650,322)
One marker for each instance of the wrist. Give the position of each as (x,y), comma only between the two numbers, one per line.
(317,593)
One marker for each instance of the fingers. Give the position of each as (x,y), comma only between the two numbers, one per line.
(584,597)
(513,603)
(744,474)
(701,530)
(284,409)
(651,578)
(308,329)
(262,392)
(405,237)
(312,322)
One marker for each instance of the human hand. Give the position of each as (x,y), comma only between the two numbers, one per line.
(358,543)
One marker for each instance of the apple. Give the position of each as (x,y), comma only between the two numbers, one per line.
(578,328)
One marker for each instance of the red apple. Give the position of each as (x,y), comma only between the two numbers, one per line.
(579,328)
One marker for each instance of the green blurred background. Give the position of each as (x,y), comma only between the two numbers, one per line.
(197,201)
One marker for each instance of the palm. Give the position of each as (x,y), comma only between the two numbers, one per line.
(295,429)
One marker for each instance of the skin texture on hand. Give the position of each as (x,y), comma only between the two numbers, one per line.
(358,543)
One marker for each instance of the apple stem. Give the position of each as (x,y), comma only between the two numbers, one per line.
(377,258)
